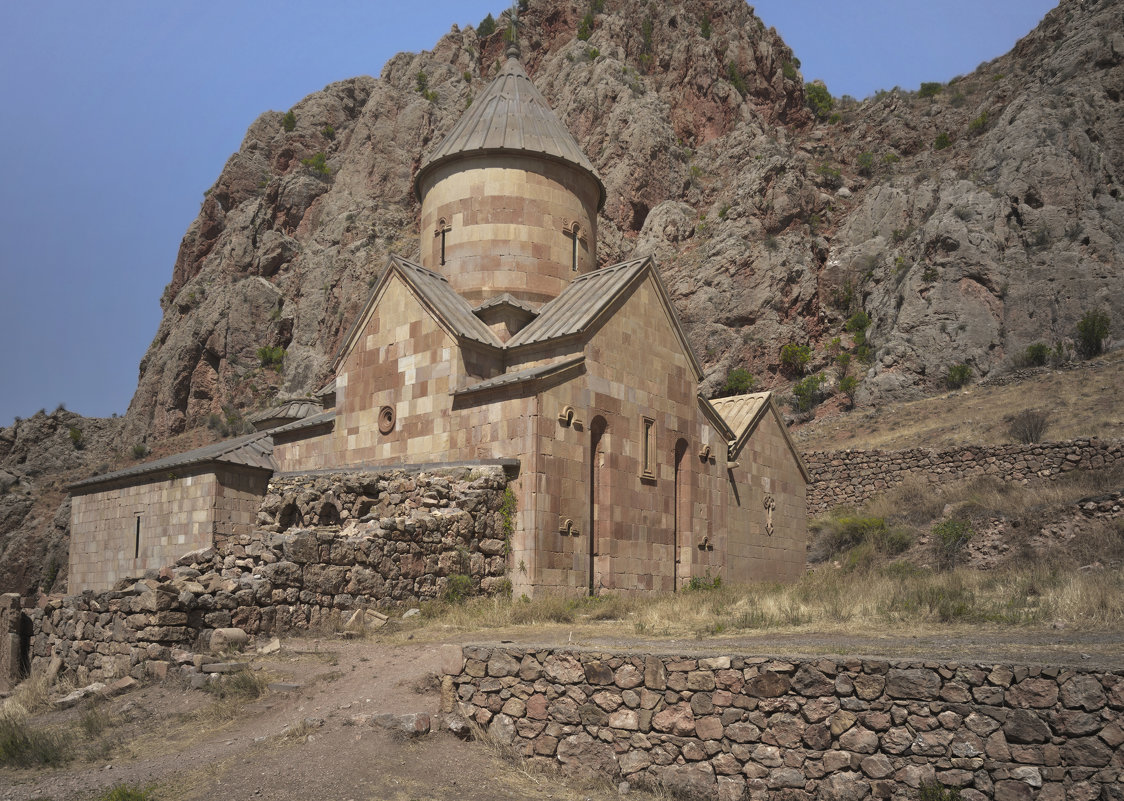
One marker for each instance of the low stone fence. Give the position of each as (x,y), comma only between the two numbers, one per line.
(849,478)
(382,540)
(737,727)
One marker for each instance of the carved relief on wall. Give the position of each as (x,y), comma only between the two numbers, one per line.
(770,505)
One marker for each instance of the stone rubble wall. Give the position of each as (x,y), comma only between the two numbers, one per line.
(852,477)
(10,667)
(398,538)
(737,727)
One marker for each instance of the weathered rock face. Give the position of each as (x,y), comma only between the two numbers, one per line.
(38,456)
(768,227)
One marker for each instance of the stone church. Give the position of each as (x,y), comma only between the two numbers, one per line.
(506,344)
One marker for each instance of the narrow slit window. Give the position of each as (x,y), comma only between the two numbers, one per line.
(648,449)
(136,542)
(443,228)
(574,255)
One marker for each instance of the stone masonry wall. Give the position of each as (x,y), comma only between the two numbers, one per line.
(732,727)
(374,540)
(849,478)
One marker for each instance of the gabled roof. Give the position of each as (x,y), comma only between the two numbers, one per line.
(433,291)
(252,450)
(296,409)
(510,116)
(743,413)
(542,371)
(589,297)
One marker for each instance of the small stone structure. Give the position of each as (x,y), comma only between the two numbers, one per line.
(734,727)
(852,477)
(395,539)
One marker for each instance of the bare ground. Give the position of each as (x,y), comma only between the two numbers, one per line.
(190,746)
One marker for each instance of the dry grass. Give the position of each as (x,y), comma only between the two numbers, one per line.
(1081,402)
(827,600)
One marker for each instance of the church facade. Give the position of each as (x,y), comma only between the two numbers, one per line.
(506,343)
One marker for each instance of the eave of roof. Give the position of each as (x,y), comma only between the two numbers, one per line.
(539,372)
(252,450)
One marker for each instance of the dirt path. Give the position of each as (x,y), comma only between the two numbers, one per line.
(194,747)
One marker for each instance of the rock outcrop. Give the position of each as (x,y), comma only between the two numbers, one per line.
(769,227)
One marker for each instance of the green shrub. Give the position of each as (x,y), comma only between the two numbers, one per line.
(849,385)
(942,141)
(789,71)
(700,583)
(736,79)
(796,357)
(289,121)
(807,393)
(1037,355)
(127,792)
(832,178)
(930,89)
(77,438)
(704,26)
(890,159)
(949,538)
(1092,331)
(772,243)
(328,132)
(856,325)
(487,26)
(865,163)
(978,125)
(140,450)
(935,791)
(843,363)
(318,163)
(738,382)
(271,358)
(585,27)
(819,100)
(958,375)
(458,588)
(422,85)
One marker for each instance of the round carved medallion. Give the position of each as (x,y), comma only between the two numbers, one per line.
(386,419)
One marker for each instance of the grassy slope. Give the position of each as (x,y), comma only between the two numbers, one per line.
(1082,401)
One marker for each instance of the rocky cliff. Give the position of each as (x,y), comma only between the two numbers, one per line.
(967,224)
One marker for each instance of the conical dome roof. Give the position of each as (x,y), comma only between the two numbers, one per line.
(510,116)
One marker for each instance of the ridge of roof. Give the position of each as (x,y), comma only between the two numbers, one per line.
(510,116)
(250,450)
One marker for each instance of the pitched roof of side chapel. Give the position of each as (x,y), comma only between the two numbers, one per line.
(252,450)
(510,116)
(743,413)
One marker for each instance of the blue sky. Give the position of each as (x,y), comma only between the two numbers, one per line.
(119,114)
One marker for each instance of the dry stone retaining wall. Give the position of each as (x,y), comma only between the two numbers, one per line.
(849,478)
(394,539)
(737,727)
